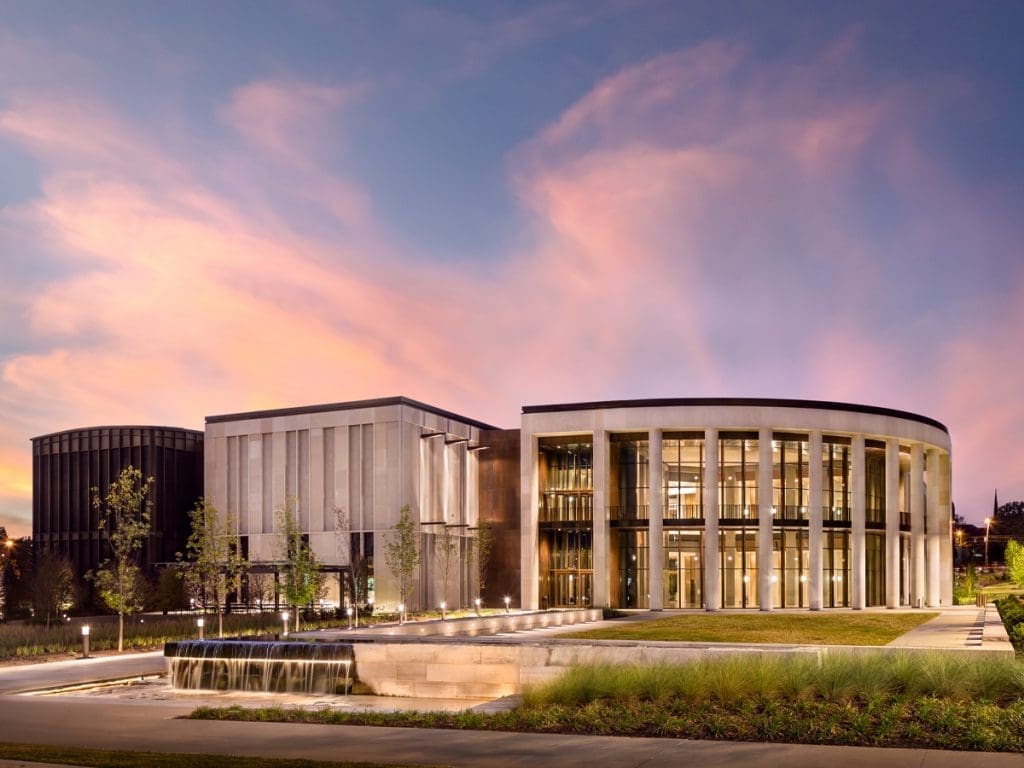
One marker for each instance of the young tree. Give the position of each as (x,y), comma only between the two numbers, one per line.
(215,567)
(261,588)
(53,586)
(402,552)
(303,581)
(1015,562)
(124,515)
(358,562)
(170,590)
(483,545)
(446,553)
(7,563)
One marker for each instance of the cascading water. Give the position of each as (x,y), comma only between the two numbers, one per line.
(268,667)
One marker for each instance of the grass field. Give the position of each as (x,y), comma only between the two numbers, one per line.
(105,758)
(793,628)
(923,700)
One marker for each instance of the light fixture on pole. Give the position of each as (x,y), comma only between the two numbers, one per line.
(284,621)
(401,613)
(508,602)
(476,604)
(988,527)
(349,612)
(200,622)
(85,641)
(444,610)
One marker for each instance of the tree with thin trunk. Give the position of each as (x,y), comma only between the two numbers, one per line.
(446,553)
(303,580)
(214,567)
(124,515)
(402,553)
(53,586)
(358,562)
(483,545)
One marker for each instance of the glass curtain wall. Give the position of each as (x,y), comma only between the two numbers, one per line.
(628,513)
(791,564)
(566,479)
(683,582)
(836,568)
(790,478)
(683,457)
(738,500)
(836,479)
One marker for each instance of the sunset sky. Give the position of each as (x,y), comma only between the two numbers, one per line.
(217,207)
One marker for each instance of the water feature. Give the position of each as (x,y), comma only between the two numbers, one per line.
(260,666)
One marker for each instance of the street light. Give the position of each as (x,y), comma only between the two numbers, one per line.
(988,527)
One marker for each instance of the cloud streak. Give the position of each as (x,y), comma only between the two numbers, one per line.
(701,223)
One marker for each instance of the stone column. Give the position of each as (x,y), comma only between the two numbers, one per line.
(814,515)
(656,514)
(933,513)
(600,537)
(917,534)
(892,523)
(529,575)
(945,531)
(712,571)
(765,494)
(857,519)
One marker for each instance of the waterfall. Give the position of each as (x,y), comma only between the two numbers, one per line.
(268,667)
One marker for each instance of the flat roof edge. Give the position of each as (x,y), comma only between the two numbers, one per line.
(198,432)
(351,405)
(665,402)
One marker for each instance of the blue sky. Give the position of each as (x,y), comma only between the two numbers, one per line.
(482,205)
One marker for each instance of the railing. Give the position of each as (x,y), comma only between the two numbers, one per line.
(684,511)
(634,512)
(836,514)
(566,507)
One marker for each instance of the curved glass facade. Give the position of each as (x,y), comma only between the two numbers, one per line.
(810,521)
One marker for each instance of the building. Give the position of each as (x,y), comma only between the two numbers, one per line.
(346,470)
(675,503)
(67,465)
(734,503)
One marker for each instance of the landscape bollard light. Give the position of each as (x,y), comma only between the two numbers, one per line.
(201,623)
(401,613)
(284,621)
(85,641)
(476,603)
(508,602)
(444,608)
(349,612)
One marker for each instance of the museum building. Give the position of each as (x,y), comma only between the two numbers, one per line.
(712,503)
(734,503)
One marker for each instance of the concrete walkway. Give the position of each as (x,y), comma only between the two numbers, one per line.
(959,628)
(124,726)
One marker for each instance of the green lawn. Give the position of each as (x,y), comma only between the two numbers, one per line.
(105,758)
(800,628)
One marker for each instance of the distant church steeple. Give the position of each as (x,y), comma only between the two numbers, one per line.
(995,503)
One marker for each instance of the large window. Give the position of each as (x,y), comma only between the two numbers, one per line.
(790,478)
(683,580)
(566,480)
(874,484)
(836,569)
(836,479)
(874,568)
(632,568)
(790,565)
(737,479)
(567,568)
(738,553)
(683,458)
(629,477)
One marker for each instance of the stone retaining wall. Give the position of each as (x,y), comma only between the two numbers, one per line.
(464,669)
